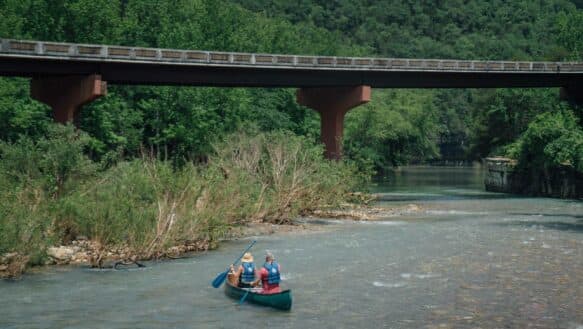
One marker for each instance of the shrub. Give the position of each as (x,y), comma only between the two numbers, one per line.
(552,139)
(289,173)
(54,160)
(51,193)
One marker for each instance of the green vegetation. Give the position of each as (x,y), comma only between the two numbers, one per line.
(454,125)
(131,119)
(553,143)
(51,192)
(551,140)
(505,116)
(151,167)
(463,124)
(396,127)
(470,29)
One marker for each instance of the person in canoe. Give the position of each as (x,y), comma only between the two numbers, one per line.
(270,275)
(245,276)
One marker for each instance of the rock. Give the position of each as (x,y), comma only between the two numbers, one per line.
(413,207)
(7,258)
(61,253)
(15,268)
(49,261)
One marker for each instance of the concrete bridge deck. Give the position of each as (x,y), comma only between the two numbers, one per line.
(66,76)
(135,65)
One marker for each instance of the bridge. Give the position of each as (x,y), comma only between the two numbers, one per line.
(66,76)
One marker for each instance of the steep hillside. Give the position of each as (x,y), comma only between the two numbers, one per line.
(466,124)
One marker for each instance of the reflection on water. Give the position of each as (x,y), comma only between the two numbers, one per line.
(435,178)
(466,259)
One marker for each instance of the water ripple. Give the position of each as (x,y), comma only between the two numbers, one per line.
(389,285)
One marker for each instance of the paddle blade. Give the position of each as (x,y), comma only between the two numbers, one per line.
(218,281)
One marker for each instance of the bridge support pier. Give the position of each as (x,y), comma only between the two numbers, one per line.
(333,104)
(573,94)
(66,94)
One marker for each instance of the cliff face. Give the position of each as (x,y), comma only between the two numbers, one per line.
(503,175)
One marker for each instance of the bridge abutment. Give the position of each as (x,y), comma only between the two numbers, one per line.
(66,94)
(333,104)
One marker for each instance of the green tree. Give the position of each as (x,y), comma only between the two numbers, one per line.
(19,115)
(571,34)
(551,140)
(395,128)
(501,116)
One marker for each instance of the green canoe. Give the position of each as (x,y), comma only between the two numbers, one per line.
(281,301)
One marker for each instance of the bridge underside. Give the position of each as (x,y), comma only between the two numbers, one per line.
(66,94)
(66,84)
(241,76)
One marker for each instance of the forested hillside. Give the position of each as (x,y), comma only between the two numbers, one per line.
(173,122)
(151,168)
(464,29)
(156,168)
(452,125)
(416,125)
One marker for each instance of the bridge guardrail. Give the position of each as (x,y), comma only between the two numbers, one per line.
(101,52)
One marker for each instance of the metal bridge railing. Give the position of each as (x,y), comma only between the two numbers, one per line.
(112,53)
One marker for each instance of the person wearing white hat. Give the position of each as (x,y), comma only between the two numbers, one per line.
(246,273)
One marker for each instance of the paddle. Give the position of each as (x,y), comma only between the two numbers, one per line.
(244,296)
(247,293)
(218,281)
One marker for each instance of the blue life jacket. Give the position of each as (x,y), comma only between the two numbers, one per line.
(248,274)
(273,276)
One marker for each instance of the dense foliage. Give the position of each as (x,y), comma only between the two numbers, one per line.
(465,124)
(396,127)
(551,140)
(51,192)
(457,124)
(131,120)
(469,29)
(110,181)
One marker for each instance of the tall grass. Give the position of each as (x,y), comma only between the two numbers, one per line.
(287,174)
(146,206)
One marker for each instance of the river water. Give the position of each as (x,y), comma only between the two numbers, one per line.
(464,259)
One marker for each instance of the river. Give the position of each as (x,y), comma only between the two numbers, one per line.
(466,259)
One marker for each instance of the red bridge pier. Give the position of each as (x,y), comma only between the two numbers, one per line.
(333,104)
(67,94)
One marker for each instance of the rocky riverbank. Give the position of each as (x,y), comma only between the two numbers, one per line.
(366,213)
(84,252)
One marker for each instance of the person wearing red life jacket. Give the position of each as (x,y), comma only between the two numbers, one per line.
(270,275)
